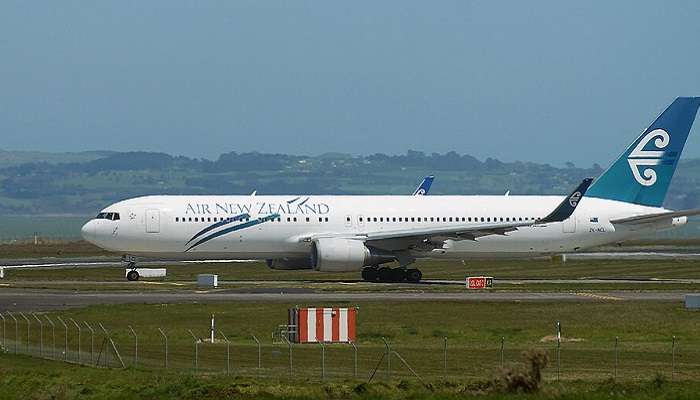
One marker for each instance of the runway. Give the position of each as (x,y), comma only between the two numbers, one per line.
(96,262)
(43,300)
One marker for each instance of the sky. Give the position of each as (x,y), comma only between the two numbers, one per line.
(543,81)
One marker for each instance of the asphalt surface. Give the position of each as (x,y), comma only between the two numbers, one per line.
(41,300)
(91,262)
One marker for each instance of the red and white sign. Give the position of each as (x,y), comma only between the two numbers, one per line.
(327,325)
(479,282)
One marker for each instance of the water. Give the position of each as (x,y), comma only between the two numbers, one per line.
(46,227)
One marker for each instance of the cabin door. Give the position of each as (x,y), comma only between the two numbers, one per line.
(152,221)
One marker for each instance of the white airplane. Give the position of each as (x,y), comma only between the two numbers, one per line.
(362,233)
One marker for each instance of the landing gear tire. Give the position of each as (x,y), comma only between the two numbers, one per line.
(132,276)
(385,274)
(398,275)
(413,275)
(370,274)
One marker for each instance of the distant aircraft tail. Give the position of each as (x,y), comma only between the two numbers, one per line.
(643,172)
(424,186)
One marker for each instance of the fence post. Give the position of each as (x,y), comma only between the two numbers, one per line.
(196,351)
(259,352)
(323,360)
(673,358)
(41,335)
(166,346)
(136,346)
(388,359)
(114,346)
(354,370)
(53,336)
(558,326)
(228,353)
(503,345)
(28,324)
(444,355)
(289,345)
(617,341)
(65,342)
(80,358)
(92,342)
(16,330)
(4,342)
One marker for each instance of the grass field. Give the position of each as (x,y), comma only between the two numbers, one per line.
(414,330)
(26,378)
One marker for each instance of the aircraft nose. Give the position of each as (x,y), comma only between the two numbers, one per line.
(88,231)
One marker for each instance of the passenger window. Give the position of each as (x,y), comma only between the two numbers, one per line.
(326,219)
(307,219)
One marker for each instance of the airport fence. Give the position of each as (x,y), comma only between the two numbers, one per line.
(377,358)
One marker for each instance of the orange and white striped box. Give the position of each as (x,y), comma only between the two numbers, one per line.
(324,324)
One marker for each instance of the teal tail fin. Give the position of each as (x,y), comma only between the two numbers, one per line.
(643,172)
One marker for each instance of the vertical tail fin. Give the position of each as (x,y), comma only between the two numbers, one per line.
(424,186)
(643,172)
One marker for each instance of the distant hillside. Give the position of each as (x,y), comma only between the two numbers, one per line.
(11,158)
(81,183)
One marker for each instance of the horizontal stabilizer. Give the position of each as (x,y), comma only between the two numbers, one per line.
(657,217)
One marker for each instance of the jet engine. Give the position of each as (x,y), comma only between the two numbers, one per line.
(288,263)
(344,255)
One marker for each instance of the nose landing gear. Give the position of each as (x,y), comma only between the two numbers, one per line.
(130,263)
(395,275)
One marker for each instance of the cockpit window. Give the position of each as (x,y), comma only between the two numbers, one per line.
(109,216)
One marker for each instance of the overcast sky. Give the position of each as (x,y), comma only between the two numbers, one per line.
(546,81)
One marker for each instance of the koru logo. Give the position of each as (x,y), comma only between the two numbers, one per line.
(647,158)
(574,199)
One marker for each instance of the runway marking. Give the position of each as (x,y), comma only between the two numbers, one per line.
(4,284)
(162,283)
(599,296)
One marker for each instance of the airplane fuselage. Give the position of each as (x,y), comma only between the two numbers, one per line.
(273,227)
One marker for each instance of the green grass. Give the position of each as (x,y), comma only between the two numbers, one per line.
(415,330)
(25,378)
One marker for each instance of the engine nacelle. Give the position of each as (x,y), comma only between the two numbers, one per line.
(344,255)
(288,263)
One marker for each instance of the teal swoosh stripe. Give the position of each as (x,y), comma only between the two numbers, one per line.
(233,229)
(223,222)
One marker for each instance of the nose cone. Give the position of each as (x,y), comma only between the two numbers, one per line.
(88,232)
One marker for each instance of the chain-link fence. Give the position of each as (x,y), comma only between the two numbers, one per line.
(375,358)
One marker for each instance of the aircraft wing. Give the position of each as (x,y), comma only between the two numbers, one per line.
(657,217)
(401,239)
(424,186)
(415,238)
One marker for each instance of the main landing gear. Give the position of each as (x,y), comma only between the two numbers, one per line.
(395,275)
